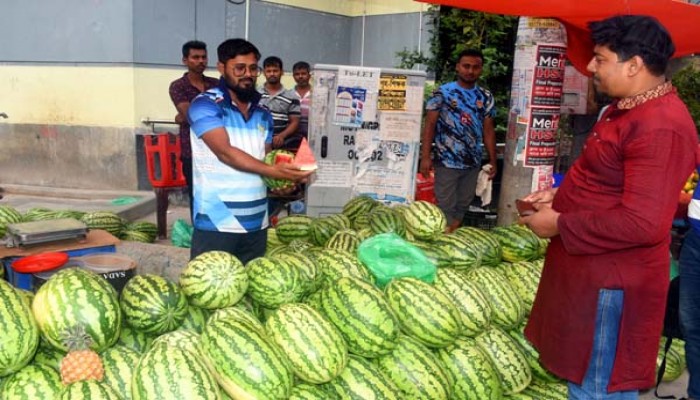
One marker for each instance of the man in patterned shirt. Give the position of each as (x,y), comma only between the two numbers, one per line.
(182,92)
(459,118)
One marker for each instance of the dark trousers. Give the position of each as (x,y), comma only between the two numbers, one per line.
(245,246)
(689,304)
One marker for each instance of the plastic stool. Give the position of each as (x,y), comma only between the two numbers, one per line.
(164,172)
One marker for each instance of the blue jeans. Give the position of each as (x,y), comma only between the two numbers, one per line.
(689,303)
(245,246)
(607,327)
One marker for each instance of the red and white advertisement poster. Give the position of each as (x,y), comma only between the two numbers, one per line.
(548,79)
(541,137)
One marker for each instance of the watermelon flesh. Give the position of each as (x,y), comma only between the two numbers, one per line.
(304,158)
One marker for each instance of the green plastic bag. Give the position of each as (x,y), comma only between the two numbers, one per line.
(388,256)
(181,235)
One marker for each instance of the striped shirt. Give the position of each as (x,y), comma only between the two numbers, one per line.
(282,105)
(226,199)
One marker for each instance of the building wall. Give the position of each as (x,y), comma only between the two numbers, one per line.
(78,77)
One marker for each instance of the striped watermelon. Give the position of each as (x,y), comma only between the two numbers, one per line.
(358,206)
(531,355)
(88,390)
(524,278)
(362,315)
(310,273)
(272,240)
(27,296)
(274,282)
(237,314)
(507,309)
(314,347)
(273,158)
(136,236)
(181,339)
(424,312)
(473,307)
(35,214)
(473,375)
(35,381)
(307,391)
(485,243)
(166,373)
(153,304)
(214,279)
(322,228)
(134,339)
(547,390)
(435,254)
(361,222)
(345,239)
(385,220)
(245,362)
(362,380)
(518,244)
(119,364)
(335,264)
(424,220)
(299,246)
(48,355)
(195,320)
(293,227)
(149,228)
(104,220)
(511,365)
(417,372)
(462,255)
(77,299)
(8,215)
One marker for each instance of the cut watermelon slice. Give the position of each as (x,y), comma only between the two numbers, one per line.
(283,158)
(304,158)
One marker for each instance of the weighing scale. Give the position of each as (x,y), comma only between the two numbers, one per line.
(29,233)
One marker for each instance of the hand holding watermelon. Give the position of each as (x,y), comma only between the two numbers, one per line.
(289,168)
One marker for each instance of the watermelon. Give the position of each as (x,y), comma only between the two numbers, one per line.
(181,339)
(531,355)
(237,314)
(517,243)
(88,390)
(362,315)
(345,239)
(425,314)
(417,372)
(461,254)
(8,215)
(335,264)
(274,282)
(195,320)
(304,158)
(435,254)
(362,380)
(153,304)
(485,243)
(168,372)
(511,365)
(359,206)
(214,279)
(385,220)
(75,300)
(275,157)
(119,364)
(524,278)
(293,227)
(314,347)
(149,228)
(35,381)
(48,355)
(472,373)
(306,391)
(104,220)
(134,339)
(136,236)
(424,220)
(310,273)
(547,390)
(246,363)
(473,307)
(507,309)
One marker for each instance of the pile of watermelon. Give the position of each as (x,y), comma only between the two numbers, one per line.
(145,232)
(306,321)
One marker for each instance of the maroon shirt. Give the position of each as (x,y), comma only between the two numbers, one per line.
(616,203)
(182,91)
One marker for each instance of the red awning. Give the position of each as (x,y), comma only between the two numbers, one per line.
(681,19)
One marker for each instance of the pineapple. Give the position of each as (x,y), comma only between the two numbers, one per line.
(81,363)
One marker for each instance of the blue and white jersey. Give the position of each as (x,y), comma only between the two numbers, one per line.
(460,126)
(694,208)
(226,199)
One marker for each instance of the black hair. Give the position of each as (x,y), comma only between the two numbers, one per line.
(192,44)
(470,53)
(635,35)
(233,48)
(273,61)
(301,65)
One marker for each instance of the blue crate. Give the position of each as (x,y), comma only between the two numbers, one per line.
(24,281)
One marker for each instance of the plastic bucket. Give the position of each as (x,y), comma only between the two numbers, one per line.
(40,278)
(116,268)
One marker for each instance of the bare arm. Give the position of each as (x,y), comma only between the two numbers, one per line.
(291,128)
(182,109)
(490,144)
(430,122)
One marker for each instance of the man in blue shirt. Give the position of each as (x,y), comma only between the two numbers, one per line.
(459,118)
(230,135)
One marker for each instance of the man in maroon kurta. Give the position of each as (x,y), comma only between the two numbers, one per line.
(609,221)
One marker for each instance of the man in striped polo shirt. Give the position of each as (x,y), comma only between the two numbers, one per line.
(230,135)
(689,293)
(283,104)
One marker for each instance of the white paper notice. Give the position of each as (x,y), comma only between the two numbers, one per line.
(334,173)
(356,95)
(402,127)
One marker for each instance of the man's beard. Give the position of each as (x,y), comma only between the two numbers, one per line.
(244,94)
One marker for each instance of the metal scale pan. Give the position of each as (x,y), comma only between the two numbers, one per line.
(29,233)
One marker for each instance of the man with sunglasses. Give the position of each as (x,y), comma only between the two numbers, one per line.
(230,135)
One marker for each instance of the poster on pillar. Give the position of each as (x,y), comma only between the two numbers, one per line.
(541,137)
(548,80)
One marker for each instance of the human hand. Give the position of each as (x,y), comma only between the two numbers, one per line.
(494,169)
(543,222)
(293,173)
(426,167)
(277,141)
(541,196)
(179,119)
(284,191)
